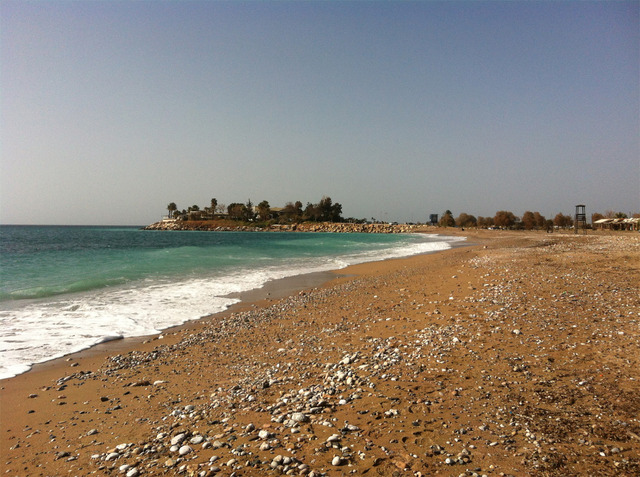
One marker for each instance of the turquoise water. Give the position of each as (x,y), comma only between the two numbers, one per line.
(67,288)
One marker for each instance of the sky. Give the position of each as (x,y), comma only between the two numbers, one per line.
(110,110)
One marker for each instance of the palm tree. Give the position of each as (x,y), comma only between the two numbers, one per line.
(172,207)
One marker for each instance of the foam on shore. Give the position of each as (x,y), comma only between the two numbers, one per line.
(47,329)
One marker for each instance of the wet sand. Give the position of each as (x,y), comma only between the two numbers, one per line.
(516,356)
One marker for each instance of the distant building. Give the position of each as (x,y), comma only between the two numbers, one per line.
(433,219)
(196,214)
(618,224)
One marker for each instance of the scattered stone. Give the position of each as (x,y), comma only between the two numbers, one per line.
(377,383)
(184,450)
(299,417)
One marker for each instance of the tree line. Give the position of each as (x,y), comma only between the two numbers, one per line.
(505,219)
(293,212)
(328,211)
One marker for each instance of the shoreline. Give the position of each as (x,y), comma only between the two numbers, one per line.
(271,290)
(408,363)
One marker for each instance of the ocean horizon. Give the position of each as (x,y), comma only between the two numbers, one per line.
(68,288)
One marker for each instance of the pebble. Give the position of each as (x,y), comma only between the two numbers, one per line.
(299,417)
(184,450)
(409,378)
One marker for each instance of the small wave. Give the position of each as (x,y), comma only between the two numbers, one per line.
(106,339)
(52,327)
(79,286)
(10,371)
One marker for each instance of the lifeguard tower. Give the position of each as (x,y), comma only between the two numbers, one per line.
(581,219)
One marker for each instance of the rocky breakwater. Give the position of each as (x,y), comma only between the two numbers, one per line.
(353,228)
(332,227)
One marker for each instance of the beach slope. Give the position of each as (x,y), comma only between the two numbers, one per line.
(516,356)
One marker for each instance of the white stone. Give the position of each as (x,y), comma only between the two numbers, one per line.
(184,450)
(299,417)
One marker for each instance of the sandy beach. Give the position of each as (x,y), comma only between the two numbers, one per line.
(518,355)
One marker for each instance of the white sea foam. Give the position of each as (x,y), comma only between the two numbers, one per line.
(44,330)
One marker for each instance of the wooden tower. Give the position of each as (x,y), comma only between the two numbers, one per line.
(581,219)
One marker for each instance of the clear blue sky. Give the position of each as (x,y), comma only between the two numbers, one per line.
(111,110)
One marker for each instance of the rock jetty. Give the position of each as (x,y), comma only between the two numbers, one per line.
(332,227)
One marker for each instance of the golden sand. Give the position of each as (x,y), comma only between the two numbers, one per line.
(517,356)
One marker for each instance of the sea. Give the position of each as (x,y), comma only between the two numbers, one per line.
(67,288)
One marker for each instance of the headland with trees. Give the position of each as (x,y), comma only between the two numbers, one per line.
(295,216)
